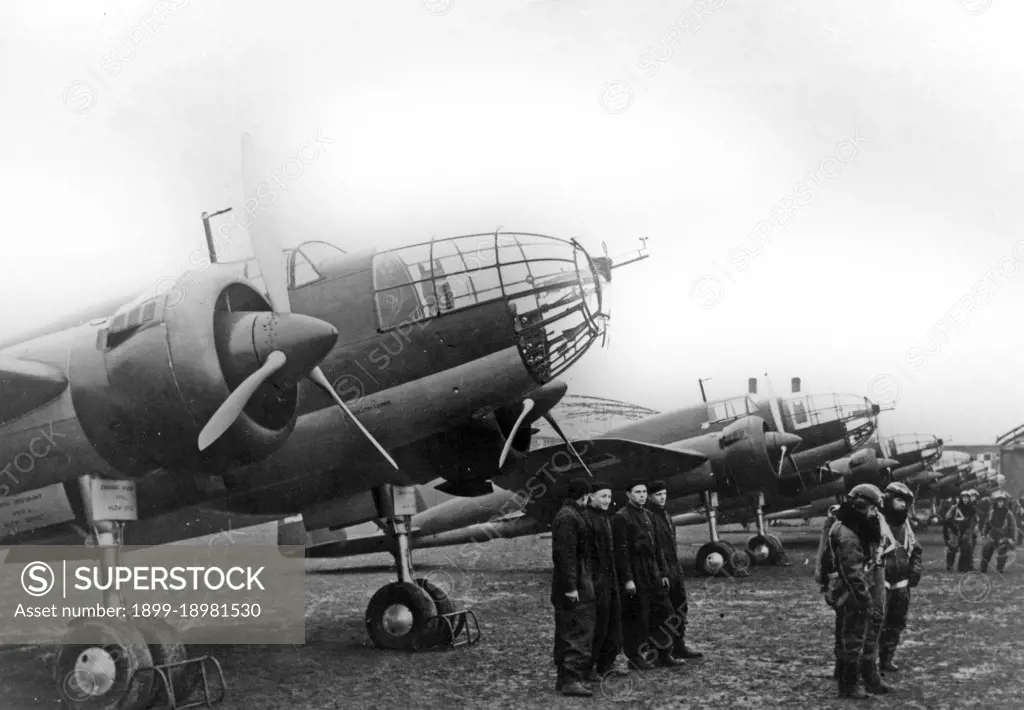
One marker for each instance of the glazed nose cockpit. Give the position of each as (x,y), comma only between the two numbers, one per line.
(831,416)
(551,287)
(913,447)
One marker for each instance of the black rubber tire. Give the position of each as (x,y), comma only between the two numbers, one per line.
(165,647)
(706,550)
(737,562)
(440,635)
(777,555)
(130,653)
(419,603)
(754,541)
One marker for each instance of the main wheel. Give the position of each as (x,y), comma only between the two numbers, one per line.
(713,558)
(440,635)
(738,562)
(777,553)
(400,617)
(759,549)
(95,662)
(165,647)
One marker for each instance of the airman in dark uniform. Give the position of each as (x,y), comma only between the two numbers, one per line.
(643,583)
(827,577)
(665,536)
(981,514)
(959,530)
(572,591)
(1000,531)
(1017,508)
(903,571)
(854,543)
(608,629)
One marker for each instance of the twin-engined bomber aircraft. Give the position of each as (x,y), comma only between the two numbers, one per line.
(225,400)
(743,450)
(905,458)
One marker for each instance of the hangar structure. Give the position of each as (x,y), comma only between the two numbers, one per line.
(1005,456)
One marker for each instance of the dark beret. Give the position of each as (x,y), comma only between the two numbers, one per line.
(578,487)
(656,486)
(600,486)
(634,483)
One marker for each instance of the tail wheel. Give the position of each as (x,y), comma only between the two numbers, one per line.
(441,636)
(95,662)
(165,647)
(400,617)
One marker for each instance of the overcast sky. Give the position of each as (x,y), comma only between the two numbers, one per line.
(597,119)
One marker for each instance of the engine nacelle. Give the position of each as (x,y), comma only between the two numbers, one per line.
(746,454)
(163,365)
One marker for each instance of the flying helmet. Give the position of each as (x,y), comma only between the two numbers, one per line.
(1000,495)
(899,490)
(868,492)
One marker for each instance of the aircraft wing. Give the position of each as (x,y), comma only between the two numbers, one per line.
(177,526)
(534,486)
(613,461)
(517,525)
(26,385)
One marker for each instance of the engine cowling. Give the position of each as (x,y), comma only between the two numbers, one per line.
(742,455)
(747,460)
(161,367)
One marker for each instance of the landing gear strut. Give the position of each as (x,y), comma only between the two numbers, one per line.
(412,614)
(765,549)
(717,556)
(117,664)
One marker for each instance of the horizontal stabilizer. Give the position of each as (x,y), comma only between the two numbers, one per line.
(26,385)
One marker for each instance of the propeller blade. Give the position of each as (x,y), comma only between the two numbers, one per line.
(558,430)
(527,408)
(782,461)
(262,234)
(318,376)
(228,412)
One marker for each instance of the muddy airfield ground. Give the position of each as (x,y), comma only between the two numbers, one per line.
(766,637)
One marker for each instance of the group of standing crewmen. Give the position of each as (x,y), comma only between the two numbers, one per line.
(869,560)
(617,586)
(995,520)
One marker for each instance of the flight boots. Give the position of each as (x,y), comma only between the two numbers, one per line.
(873,682)
(575,688)
(849,681)
(885,662)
